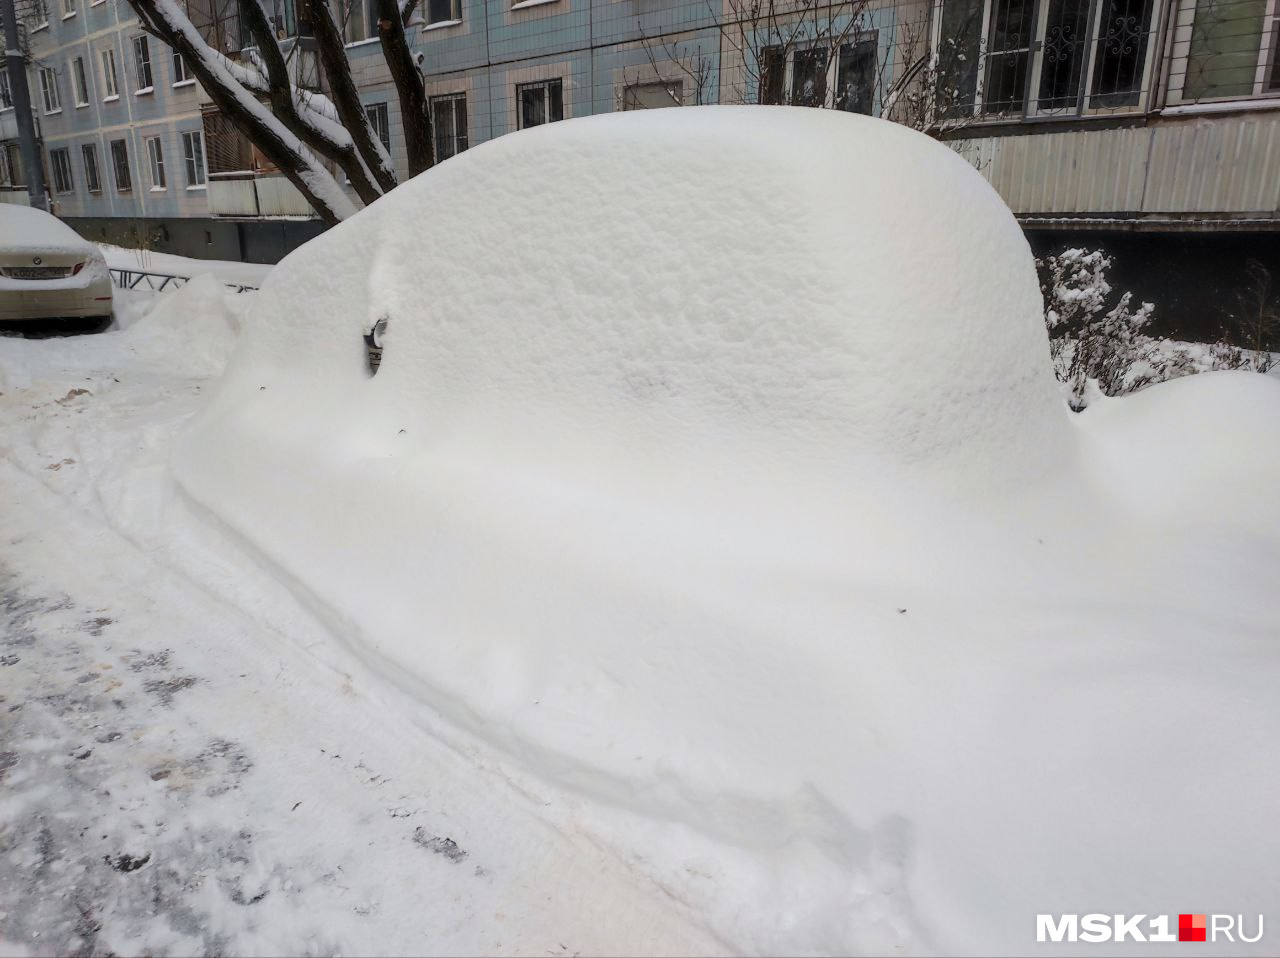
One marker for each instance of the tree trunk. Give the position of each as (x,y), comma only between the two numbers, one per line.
(414,116)
(250,117)
(337,70)
(286,110)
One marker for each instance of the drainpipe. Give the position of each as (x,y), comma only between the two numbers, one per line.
(22,107)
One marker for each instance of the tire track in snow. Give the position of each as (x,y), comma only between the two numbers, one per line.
(242,798)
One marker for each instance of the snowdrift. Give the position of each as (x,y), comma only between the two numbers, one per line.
(715,469)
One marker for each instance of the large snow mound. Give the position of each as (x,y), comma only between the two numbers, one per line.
(768,287)
(715,469)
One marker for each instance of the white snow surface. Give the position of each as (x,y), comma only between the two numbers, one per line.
(715,473)
(30,230)
(150,261)
(188,764)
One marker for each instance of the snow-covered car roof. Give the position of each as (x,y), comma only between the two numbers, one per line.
(23,229)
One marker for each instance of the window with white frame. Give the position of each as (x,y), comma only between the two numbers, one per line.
(120,166)
(68,8)
(381,123)
(155,158)
(92,180)
(1272,71)
(193,155)
(180,72)
(652,96)
(449,124)
(306,70)
(79,82)
(539,103)
(217,22)
(839,76)
(443,11)
(283,16)
(358,19)
(39,13)
(110,82)
(142,64)
(49,90)
(6,95)
(1232,50)
(11,166)
(1013,58)
(60,161)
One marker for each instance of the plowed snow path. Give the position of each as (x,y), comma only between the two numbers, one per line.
(190,764)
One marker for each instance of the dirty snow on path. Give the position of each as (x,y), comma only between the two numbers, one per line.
(189,764)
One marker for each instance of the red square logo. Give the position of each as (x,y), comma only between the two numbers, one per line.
(1191,928)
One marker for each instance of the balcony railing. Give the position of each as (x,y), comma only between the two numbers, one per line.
(249,194)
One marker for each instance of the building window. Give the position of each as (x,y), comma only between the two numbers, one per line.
(217,23)
(773,75)
(6,96)
(539,103)
(377,114)
(49,90)
(809,77)
(359,19)
(812,76)
(120,166)
(155,156)
(79,82)
(193,154)
(11,166)
(91,179)
(652,96)
(1010,58)
(40,13)
(855,90)
(1273,80)
(110,87)
(1233,49)
(449,124)
(443,11)
(142,64)
(225,148)
(180,72)
(68,8)
(60,160)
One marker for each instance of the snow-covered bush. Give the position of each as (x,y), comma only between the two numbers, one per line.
(1098,346)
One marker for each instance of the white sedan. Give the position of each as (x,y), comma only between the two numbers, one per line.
(48,271)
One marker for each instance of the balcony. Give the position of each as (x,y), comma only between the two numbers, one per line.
(247,194)
(1184,172)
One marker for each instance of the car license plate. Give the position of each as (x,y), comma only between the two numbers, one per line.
(36,272)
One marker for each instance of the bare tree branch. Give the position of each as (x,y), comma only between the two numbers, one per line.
(332,143)
(414,116)
(232,88)
(346,98)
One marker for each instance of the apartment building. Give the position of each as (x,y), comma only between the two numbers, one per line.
(117,115)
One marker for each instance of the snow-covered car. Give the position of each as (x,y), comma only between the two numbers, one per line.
(48,271)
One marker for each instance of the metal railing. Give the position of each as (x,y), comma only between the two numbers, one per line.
(158,282)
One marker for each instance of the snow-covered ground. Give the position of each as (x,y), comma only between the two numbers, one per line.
(179,774)
(724,596)
(141,260)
